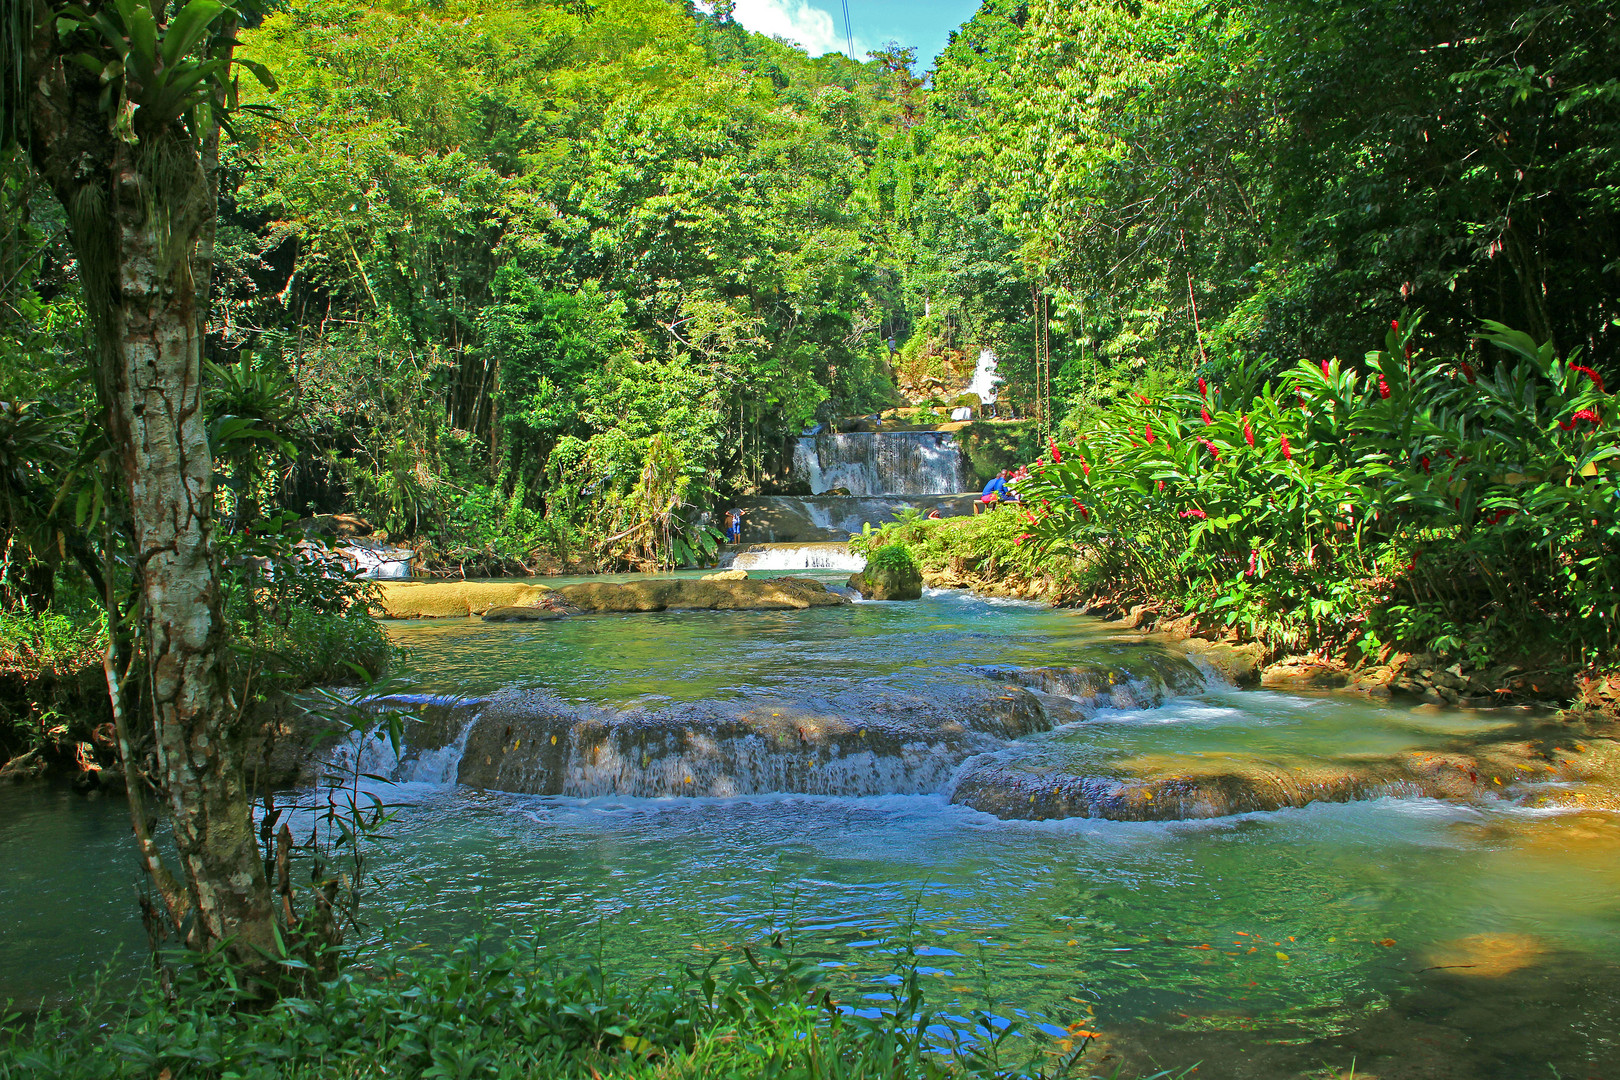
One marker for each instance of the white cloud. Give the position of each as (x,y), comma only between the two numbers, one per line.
(815,30)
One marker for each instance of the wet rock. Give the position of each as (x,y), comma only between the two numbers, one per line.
(533,613)
(888,583)
(543,608)
(1142,680)
(727,575)
(1170,787)
(1304,673)
(870,740)
(1237,664)
(1484,956)
(444,599)
(340,526)
(684,594)
(24,767)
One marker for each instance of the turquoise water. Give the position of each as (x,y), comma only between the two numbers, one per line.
(1414,937)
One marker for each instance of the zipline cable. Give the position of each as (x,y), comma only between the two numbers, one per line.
(849,35)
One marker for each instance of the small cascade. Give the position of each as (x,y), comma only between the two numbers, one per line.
(825,556)
(985,379)
(873,738)
(983,386)
(881,463)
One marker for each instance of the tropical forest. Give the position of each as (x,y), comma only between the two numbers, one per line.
(654,539)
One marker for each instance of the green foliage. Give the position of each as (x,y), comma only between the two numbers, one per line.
(1432,494)
(297,617)
(41,643)
(484,1010)
(604,259)
(892,559)
(1191,181)
(991,447)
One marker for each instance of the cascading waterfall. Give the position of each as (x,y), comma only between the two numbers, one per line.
(881,463)
(872,739)
(827,556)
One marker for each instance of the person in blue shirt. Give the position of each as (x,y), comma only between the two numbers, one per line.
(995,492)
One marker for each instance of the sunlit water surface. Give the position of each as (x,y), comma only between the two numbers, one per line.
(1413,937)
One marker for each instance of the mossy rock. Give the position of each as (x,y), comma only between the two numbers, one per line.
(890,574)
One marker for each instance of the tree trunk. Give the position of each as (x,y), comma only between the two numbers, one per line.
(152,389)
(140,206)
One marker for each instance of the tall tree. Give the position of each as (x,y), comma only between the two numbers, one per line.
(118,105)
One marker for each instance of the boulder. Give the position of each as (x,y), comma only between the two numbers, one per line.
(1237,664)
(520,613)
(727,575)
(1304,673)
(29,766)
(889,583)
(684,594)
(442,599)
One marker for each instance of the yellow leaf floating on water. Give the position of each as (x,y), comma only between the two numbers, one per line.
(1074,943)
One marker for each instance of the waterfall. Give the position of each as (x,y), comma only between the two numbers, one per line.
(831,556)
(985,378)
(881,463)
(873,737)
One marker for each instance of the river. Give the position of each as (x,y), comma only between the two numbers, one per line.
(1413,936)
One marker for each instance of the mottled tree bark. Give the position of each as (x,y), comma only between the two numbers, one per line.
(140,205)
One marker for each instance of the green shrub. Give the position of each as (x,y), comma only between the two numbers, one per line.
(36,643)
(513,1011)
(892,558)
(993,446)
(1412,501)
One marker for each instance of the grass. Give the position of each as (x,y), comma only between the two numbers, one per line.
(508,1012)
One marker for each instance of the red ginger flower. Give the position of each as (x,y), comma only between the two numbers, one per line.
(1056,457)
(1395,325)
(1208,419)
(1194,513)
(1424,461)
(1248,432)
(1383,388)
(1085,467)
(1597,380)
(1211,447)
(1468,370)
(1024,536)
(1203,387)
(1326,370)
(1288,454)
(1584,414)
(1149,429)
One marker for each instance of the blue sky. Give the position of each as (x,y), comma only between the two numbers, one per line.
(818,25)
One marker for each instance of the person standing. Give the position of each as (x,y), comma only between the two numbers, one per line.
(734,518)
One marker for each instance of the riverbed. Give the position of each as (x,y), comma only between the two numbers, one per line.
(1413,936)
